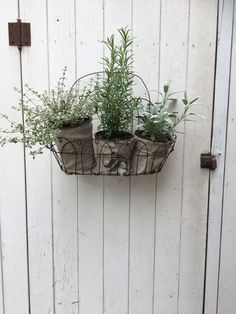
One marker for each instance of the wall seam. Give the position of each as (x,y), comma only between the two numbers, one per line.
(183,162)
(209,178)
(51,172)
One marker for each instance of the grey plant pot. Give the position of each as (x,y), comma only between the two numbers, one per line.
(149,156)
(75,147)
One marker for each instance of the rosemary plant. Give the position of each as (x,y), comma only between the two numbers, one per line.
(113,95)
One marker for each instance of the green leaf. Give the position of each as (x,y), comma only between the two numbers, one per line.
(185,101)
(194,100)
(197,115)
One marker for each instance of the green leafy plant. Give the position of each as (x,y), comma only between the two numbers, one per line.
(113,95)
(46,113)
(158,122)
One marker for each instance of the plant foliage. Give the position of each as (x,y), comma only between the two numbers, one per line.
(158,122)
(113,95)
(46,113)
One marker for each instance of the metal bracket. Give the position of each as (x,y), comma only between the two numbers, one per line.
(208,161)
(19,34)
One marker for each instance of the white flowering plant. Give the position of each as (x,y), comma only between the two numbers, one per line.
(46,113)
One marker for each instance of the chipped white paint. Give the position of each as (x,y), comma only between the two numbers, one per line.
(110,245)
(61,52)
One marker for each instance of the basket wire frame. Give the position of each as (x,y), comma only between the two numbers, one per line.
(105,157)
(106,161)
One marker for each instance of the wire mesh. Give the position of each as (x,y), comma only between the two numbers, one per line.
(111,157)
(78,153)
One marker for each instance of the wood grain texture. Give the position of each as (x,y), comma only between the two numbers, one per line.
(142,224)
(116,224)
(38,170)
(218,148)
(62,52)
(113,245)
(89,47)
(12,181)
(227,278)
(90,247)
(2,301)
(173,68)
(200,78)
(146,23)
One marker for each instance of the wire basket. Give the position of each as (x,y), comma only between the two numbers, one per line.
(114,158)
(92,156)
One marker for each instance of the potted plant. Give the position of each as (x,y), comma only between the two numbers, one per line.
(59,119)
(156,138)
(115,107)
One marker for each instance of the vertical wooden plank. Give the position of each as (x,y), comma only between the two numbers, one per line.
(142,222)
(62,52)
(227,271)
(89,48)
(91,245)
(35,74)
(146,23)
(146,32)
(200,82)
(12,183)
(2,303)
(116,213)
(173,64)
(90,188)
(117,14)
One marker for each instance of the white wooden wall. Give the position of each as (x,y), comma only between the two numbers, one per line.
(227,274)
(94,245)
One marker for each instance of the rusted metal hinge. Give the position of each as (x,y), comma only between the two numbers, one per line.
(208,161)
(19,34)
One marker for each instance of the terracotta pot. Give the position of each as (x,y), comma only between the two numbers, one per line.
(114,155)
(75,148)
(149,156)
